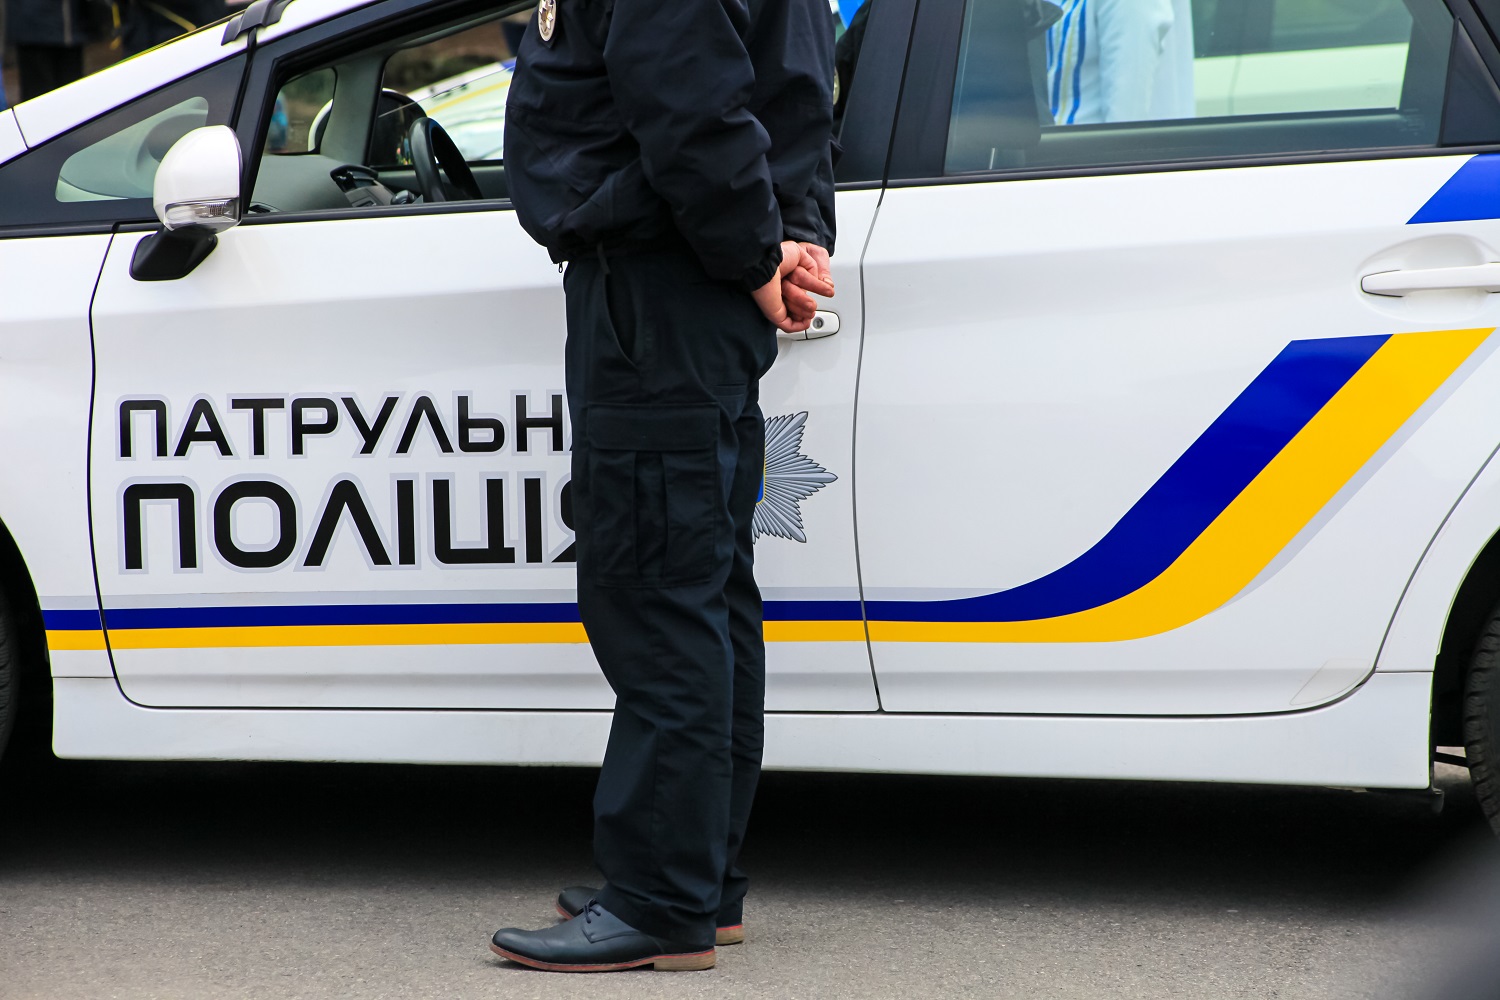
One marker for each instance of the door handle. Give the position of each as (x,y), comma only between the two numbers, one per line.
(1480,277)
(824,324)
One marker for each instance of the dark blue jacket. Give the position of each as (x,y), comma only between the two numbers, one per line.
(47,22)
(146,25)
(646,123)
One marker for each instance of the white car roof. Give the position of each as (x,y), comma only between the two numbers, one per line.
(301,13)
(53,113)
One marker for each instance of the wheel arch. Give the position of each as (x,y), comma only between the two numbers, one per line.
(1476,597)
(1447,600)
(34,725)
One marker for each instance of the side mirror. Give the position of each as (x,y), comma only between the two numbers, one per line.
(196,196)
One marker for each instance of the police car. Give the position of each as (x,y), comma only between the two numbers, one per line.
(1143,450)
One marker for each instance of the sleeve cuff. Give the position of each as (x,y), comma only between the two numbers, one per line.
(762,270)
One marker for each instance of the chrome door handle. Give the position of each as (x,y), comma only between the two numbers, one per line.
(1480,277)
(824,324)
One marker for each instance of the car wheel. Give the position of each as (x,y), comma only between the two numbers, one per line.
(10,676)
(1482,719)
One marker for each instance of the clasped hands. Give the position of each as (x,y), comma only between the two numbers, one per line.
(785,299)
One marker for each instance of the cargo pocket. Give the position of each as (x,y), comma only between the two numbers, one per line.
(654,479)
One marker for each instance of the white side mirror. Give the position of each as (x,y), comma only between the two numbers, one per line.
(196,196)
(198,182)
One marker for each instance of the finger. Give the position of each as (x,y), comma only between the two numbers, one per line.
(791,258)
(800,305)
(790,322)
(769,299)
(819,257)
(797,301)
(810,280)
(805,261)
(815,261)
(775,312)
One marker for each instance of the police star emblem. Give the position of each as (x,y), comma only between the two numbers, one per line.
(790,478)
(546,18)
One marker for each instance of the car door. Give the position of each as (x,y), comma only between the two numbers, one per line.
(93,149)
(48,265)
(330,464)
(1133,438)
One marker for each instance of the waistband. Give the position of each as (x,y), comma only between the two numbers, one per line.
(620,247)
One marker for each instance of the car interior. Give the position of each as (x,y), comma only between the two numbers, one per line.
(416,114)
(353,132)
(1001,119)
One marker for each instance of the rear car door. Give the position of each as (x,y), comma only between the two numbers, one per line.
(330,464)
(1134,439)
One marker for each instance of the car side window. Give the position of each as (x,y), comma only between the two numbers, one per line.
(460,80)
(103,171)
(337,135)
(302,105)
(1110,82)
(123,165)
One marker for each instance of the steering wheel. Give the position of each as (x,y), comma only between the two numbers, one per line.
(434,157)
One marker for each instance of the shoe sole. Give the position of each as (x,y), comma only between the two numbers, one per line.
(695,962)
(722,935)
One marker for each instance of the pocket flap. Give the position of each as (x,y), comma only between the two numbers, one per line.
(653,428)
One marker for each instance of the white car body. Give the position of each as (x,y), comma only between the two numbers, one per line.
(1017,398)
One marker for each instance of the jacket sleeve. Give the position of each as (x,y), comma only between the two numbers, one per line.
(682,80)
(807,209)
(795,103)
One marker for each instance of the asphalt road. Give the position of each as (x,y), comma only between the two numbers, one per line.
(194,882)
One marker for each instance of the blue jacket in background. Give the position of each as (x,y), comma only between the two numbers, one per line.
(47,22)
(646,124)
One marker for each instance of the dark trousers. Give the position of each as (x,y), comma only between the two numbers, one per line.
(663,370)
(47,67)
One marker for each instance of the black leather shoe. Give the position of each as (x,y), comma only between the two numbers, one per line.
(572,900)
(597,941)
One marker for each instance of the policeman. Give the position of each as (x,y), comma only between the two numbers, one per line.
(678,157)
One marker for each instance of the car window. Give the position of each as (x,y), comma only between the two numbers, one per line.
(337,132)
(1234,27)
(103,171)
(1154,80)
(301,104)
(123,165)
(1289,56)
(461,80)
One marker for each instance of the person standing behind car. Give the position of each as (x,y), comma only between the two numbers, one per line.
(678,158)
(1121,61)
(48,36)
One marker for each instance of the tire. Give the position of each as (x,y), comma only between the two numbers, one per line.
(1482,719)
(10,676)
